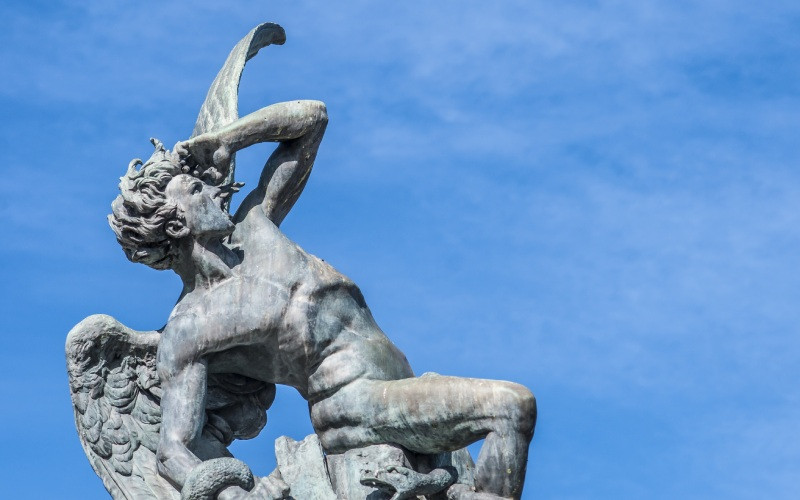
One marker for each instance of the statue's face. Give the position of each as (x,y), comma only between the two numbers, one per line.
(201,205)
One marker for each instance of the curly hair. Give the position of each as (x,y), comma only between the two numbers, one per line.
(140,212)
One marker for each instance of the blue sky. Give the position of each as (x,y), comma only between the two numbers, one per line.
(597,199)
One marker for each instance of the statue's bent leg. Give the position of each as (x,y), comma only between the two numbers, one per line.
(432,414)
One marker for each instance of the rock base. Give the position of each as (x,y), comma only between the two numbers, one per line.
(311,474)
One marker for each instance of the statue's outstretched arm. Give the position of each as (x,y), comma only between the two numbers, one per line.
(183,416)
(297,125)
(182,406)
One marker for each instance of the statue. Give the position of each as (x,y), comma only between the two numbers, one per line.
(156,410)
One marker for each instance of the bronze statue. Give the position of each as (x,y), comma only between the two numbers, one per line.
(257,310)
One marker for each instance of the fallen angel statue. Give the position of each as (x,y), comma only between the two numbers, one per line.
(156,410)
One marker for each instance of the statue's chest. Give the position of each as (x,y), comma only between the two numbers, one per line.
(240,306)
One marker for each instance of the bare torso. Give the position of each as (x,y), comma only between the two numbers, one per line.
(284,317)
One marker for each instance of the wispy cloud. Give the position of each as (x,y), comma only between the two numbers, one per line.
(597,199)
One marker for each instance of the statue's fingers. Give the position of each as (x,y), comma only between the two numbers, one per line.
(181,149)
(187,161)
(221,157)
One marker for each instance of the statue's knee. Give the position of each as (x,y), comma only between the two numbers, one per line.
(528,410)
(522,408)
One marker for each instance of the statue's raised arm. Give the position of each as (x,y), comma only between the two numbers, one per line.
(217,134)
(297,125)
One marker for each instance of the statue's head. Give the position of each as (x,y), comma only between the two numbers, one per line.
(161,204)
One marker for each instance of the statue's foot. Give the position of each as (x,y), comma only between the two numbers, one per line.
(464,492)
(407,483)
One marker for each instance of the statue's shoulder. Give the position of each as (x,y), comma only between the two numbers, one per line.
(257,239)
(253,225)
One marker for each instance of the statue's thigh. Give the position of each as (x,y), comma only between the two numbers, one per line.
(428,414)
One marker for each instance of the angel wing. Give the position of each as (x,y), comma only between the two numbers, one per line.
(116,395)
(222,101)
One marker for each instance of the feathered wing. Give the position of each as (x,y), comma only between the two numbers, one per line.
(222,101)
(116,395)
(116,398)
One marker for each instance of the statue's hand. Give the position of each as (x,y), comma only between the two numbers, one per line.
(205,156)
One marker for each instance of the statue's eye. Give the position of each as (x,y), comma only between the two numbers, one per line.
(196,188)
